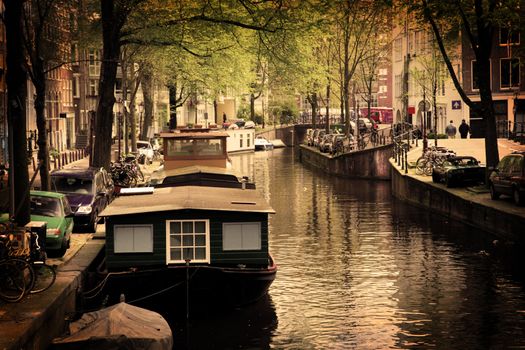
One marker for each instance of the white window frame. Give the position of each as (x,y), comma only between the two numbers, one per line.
(117,250)
(510,87)
(207,244)
(242,223)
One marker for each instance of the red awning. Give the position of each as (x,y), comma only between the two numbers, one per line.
(411,110)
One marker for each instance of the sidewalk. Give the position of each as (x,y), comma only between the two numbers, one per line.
(475,148)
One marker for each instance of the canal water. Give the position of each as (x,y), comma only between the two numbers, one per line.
(360,270)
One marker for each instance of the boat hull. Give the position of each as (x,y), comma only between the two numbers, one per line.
(174,287)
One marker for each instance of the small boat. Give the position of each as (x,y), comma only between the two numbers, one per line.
(262,144)
(121,326)
(201,233)
(277,143)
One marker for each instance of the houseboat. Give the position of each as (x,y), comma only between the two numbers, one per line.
(201,233)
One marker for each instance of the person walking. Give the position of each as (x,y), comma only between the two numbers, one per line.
(464,129)
(450,130)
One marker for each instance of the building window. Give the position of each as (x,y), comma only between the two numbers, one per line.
(398,85)
(93,87)
(508,37)
(76,86)
(509,73)
(474,77)
(188,240)
(382,89)
(248,138)
(94,62)
(398,49)
(241,236)
(133,238)
(383,71)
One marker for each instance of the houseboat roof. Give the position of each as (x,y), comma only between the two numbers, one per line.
(195,135)
(190,197)
(200,175)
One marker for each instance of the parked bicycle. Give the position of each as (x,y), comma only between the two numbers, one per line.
(433,156)
(22,264)
(126,172)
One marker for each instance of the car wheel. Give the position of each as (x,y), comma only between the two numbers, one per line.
(93,225)
(63,248)
(518,198)
(449,182)
(493,194)
(435,178)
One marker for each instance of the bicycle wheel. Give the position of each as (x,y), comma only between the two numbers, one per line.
(428,169)
(26,271)
(12,285)
(45,276)
(421,165)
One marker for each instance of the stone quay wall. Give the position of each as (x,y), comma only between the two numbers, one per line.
(371,163)
(502,224)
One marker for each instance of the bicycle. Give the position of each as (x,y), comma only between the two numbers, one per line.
(23,263)
(433,156)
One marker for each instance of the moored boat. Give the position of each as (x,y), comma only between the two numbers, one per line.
(201,234)
(262,144)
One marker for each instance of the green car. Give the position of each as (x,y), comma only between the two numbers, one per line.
(52,208)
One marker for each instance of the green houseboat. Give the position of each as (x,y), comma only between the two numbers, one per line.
(201,233)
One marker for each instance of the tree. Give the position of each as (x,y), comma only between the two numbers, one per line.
(16,79)
(44,56)
(123,23)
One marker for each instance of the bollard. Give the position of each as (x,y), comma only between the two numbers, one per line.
(406,161)
(402,160)
(417,139)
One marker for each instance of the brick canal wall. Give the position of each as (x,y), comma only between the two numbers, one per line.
(367,164)
(460,206)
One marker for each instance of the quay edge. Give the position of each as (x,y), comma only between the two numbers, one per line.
(457,203)
(35,321)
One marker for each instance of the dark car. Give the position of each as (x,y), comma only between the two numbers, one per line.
(509,178)
(88,190)
(455,171)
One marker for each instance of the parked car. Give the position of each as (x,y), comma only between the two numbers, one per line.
(89,191)
(319,137)
(338,139)
(509,178)
(53,209)
(365,124)
(308,137)
(456,171)
(249,124)
(325,142)
(240,123)
(145,150)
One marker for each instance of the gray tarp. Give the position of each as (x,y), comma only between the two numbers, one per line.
(121,326)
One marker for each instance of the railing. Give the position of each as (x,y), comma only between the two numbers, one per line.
(404,138)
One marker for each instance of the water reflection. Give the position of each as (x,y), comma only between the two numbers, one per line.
(358,269)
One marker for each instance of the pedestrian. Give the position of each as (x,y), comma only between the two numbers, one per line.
(464,129)
(223,117)
(450,130)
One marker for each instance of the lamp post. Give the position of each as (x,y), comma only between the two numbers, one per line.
(141,109)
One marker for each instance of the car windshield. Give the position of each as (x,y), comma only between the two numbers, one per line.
(72,185)
(45,206)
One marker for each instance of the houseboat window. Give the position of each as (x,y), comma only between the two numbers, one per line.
(133,238)
(241,236)
(188,239)
(240,141)
(195,147)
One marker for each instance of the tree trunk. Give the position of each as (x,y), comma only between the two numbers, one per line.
(328,106)
(215,112)
(147,93)
(104,118)
(252,106)
(173,106)
(16,78)
(42,140)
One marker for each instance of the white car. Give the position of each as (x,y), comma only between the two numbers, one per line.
(145,148)
(249,125)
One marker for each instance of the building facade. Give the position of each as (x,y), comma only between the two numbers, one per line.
(507,76)
(421,80)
